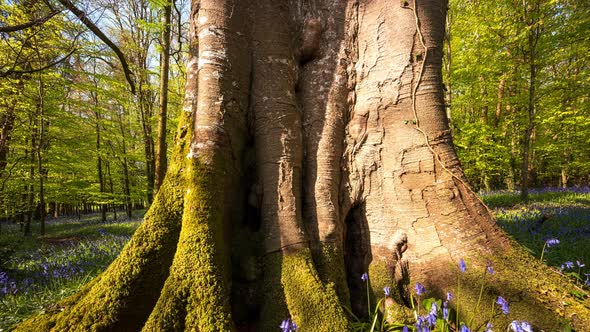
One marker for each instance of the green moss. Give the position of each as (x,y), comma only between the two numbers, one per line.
(311,304)
(196,294)
(379,277)
(127,291)
(330,267)
(535,292)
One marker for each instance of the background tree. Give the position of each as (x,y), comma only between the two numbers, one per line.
(525,53)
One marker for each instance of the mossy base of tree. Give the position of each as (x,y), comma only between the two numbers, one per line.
(535,293)
(196,294)
(313,305)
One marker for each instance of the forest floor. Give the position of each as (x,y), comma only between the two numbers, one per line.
(36,272)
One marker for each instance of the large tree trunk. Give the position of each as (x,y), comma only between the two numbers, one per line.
(313,147)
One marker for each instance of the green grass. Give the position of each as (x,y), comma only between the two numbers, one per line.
(548,197)
(36,272)
(549,214)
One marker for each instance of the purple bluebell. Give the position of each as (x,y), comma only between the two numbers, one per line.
(419,323)
(567,265)
(464,328)
(431,319)
(405,329)
(445,310)
(288,325)
(580,264)
(551,242)
(387,290)
(515,326)
(526,327)
(489,268)
(365,277)
(462,265)
(502,302)
(420,289)
(489,327)
(434,308)
(450,296)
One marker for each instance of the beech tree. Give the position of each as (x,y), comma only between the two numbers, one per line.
(313,147)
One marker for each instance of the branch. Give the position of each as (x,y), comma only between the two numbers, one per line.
(29,71)
(39,21)
(84,19)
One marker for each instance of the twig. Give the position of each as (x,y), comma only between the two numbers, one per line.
(88,23)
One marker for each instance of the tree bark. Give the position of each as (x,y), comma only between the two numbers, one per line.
(40,124)
(313,147)
(161,162)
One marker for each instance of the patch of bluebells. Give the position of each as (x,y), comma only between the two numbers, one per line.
(523,326)
(566,232)
(7,285)
(58,263)
(288,325)
(431,314)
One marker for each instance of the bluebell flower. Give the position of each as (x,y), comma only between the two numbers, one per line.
(462,265)
(450,296)
(387,290)
(405,329)
(502,302)
(526,327)
(551,242)
(489,327)
(464,328)
(431,319)
(567,265)
(420,289)
(365,277)
(419,323)
(580,264)
(445,310)
(489,268)
(434,309)
(288,326)
(523,326)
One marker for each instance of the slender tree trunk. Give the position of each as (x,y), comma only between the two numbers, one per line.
(40,123)
(484,106)
(99,161)
(498,114)
(447,69)
(530,16)
(148,141)
(161,150)
(32,163)
(112,189)
(125,164)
